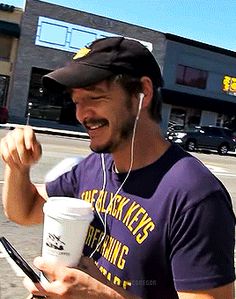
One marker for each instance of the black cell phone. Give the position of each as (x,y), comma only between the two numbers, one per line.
(19,260)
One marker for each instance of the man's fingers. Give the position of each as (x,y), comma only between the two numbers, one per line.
(55,271)
(56,289)
(25,155)
(10,145)
(29,137)
(32,144)
(62,279)
(5,153)
(49,268)
(21,147)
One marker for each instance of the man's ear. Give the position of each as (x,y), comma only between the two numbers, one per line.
(147,90)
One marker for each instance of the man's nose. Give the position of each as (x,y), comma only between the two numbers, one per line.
(83,112)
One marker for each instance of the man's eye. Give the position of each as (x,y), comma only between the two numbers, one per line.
(94,98)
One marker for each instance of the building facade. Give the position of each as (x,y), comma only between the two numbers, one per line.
(200,82)
(10,19)
(199,78)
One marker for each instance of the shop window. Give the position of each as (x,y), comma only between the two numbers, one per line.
(189,76)
(177,116)
(47,106)
(4,82)
(5,47)
(188,118)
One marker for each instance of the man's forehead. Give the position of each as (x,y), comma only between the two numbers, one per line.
(100,87)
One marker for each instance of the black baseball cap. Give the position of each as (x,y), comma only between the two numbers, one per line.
(103,58)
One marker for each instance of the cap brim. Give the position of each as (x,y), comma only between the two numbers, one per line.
(74,76)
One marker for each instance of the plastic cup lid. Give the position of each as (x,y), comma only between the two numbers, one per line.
(68,207)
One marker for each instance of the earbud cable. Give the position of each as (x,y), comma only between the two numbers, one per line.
(122,184)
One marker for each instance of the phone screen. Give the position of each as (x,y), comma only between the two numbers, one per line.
(19,260)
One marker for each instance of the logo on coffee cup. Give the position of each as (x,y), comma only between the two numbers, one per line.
(55,242)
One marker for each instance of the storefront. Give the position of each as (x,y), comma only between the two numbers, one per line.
(199,78)
(42,105)
(10,18)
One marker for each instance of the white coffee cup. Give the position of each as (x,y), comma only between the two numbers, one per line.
(66,222)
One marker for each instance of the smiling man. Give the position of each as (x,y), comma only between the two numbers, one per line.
(105,129)
(163,224)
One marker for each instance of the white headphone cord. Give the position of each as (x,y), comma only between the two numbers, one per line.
(125,179)
(103,187)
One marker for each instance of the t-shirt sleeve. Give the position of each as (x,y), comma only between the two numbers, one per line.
(65,185)
(202,245)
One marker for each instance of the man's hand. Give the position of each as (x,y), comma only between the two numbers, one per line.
(71,283)
(21,199)
(20,148)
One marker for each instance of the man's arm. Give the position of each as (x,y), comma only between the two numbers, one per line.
(22,200)
(223,292)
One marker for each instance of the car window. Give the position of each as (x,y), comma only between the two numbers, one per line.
(228,133)
(211,131)
(217,131)
(178,127)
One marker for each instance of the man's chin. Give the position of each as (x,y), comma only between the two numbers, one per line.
(106,148)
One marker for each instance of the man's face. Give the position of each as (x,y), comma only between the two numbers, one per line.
(108,114)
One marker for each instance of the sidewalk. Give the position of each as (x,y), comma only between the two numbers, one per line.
(61,131)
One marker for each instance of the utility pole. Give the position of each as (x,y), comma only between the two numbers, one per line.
(28,113)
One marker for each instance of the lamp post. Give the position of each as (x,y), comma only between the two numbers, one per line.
(28,113)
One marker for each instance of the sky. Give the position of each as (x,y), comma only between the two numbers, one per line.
(209,21)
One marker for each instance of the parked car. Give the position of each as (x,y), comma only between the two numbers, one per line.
(175,127)
(3,115)
(205,137)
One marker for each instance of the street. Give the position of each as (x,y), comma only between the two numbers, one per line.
(27,240)
(55,148)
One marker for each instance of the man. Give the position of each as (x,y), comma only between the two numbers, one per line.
(164,225)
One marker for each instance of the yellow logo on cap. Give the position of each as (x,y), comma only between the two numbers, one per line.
(81,53)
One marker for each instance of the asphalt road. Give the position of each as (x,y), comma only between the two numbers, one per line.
(55,148)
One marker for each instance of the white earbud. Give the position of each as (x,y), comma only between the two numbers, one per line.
(141,96)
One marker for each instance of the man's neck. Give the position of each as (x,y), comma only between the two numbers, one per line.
(147,150)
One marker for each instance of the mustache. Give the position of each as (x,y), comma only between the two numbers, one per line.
(94,121)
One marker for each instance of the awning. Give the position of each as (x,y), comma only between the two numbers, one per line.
(11,29)
(194,101)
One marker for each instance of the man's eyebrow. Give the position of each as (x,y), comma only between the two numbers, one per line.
(88,88)
(94,88)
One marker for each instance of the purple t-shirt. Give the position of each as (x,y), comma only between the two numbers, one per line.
(170,227)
